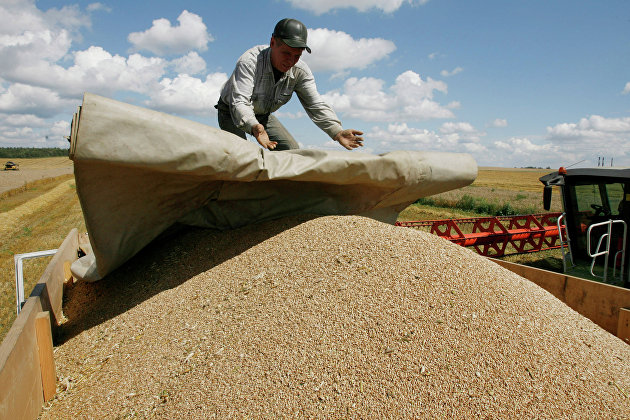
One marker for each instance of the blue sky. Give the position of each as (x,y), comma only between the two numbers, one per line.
(527,83)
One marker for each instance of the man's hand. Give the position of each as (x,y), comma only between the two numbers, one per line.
(262,137)
(349,138)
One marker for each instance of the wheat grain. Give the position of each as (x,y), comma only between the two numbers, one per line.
(332,317)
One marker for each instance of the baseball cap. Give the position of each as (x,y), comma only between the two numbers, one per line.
(292,32)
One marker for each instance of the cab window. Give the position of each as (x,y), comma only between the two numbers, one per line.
(606,197)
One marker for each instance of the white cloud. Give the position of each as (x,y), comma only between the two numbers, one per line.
(457,138)
(524,146)
(21,16)
(25,99)
(29,130)
(338,51)
(68,17)
(94,7)
(162,38)
(94,70)
(41,77)
(454,137)
(191,63)
(30,56)
(568,143)
(475,148)
(60,129)
(499,122)
(456,70)
(97,70)
(30,48)
(18,120)
(409,99)
(464,132)
(189,95)
(594,128)
(523,152)
(626,89)
(323,6)
(461,127)
(400,134)
(17,135)
(593,136)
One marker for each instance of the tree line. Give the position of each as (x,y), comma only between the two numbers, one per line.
(31,152)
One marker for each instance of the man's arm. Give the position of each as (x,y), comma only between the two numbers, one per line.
(323,115)
(239,100)
(240,88)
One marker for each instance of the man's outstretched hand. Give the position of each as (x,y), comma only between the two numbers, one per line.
(349,138)
(262,137)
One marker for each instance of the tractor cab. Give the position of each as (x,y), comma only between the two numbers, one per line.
(596,204)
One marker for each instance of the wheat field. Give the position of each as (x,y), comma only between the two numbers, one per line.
(512,179)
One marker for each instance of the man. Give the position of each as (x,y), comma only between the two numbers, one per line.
(264,79)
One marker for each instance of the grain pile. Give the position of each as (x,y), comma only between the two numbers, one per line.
(329,317)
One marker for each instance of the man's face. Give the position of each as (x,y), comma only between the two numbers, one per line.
(284,57)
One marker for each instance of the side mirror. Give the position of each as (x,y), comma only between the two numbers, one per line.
(547,197)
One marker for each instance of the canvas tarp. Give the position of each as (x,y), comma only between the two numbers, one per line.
(140,171)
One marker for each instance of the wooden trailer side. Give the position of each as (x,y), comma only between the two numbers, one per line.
(606,305)
(26,368)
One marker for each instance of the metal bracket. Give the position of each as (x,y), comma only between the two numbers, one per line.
(19,273)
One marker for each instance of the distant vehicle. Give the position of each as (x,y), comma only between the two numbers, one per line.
(11,166)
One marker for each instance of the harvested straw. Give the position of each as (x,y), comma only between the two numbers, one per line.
(329,317)
(11,217)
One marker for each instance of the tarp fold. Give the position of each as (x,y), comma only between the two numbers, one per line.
(139,171)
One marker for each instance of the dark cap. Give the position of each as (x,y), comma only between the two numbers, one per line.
(292,32)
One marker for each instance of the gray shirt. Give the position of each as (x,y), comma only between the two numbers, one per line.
(252,90)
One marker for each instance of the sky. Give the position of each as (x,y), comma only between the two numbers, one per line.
(543,83)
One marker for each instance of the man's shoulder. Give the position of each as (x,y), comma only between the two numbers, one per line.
(253,53)
(301,69)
